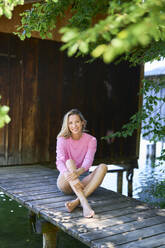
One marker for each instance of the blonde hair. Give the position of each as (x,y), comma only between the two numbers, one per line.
(65,132)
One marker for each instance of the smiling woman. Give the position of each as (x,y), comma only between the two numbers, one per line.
(75,155)
(75,126)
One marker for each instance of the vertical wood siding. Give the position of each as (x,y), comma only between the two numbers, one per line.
(40,84)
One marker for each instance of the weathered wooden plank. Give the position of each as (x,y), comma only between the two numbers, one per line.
(82,221)
(127,222)
(56,199)
(4,177)
(73,228)
(66,222)
(12,184)
(131,235)
(96,207)
(37,192)
(39,188)
(44,199)
(24,177)
(20,196)
(11,174)
(151,242)
(16,194)
(26,172)
(100,223)
(103,214)
(30,185)
(30,176)
(44,203)
(118,227)
(23,168)
(40,196)
(59,203)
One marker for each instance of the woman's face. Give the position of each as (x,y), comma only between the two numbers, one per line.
(75,125)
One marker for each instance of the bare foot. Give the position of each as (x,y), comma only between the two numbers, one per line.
(88,211)
(71,205)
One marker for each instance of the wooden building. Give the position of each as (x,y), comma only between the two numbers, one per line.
(40,83)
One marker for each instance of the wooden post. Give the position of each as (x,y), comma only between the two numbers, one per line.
(119,181)
(130,188)
(49,235)
(129,177)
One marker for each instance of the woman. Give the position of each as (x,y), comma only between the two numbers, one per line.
(75,154)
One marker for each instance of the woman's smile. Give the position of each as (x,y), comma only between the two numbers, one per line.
(75,126)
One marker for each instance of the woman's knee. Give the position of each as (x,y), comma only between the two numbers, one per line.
(103,167)
(70,164)
(63,185)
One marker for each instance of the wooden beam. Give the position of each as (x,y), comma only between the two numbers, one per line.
(49,235)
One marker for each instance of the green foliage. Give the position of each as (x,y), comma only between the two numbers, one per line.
(4,117)
(153,121)
(42,18)
(154,51)
(159,191)
(128,26)
(133,30)
(153,191)
(7,6)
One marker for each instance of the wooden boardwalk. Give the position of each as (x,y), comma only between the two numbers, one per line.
(120,221)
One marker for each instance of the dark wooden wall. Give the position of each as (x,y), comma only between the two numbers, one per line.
(40,84)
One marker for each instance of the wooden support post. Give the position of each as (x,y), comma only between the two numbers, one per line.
(119,181)
(49,235)
(130,188)
(129,177)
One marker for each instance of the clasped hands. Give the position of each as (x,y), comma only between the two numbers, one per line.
(73,177)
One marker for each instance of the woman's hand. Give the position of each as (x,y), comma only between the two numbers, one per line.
(80,171)
(70,176)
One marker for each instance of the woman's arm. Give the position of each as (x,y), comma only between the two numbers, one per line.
(89,157)
(60,155)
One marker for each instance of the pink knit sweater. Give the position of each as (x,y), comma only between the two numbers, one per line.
(82,151)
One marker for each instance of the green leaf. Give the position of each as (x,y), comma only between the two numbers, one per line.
(83,47)
(72,50)
(69,36)
(4,110)
(99,50)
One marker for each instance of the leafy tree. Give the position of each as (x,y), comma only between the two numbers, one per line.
(7,6)
(110,29)
(125,29)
